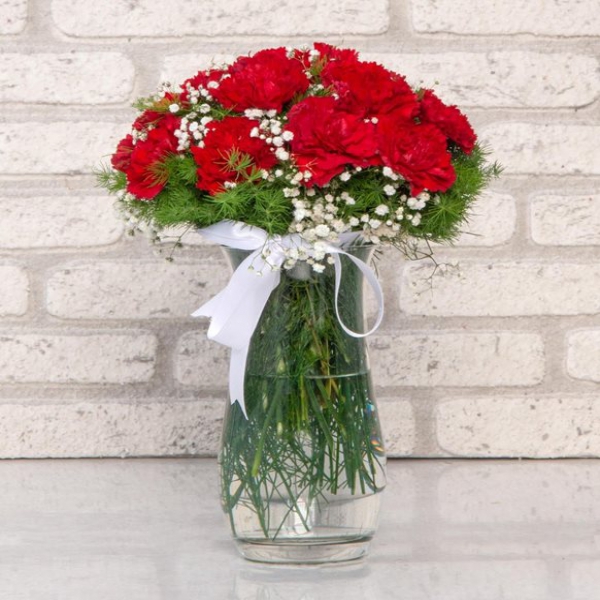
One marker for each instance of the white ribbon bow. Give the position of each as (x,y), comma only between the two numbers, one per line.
(236,309)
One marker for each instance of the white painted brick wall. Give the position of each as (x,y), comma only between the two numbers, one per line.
(545,149)
(98,354)
(491,222)
(513,79)
(128,289)
(77,357)
(492,288)
(14,293)
(583,354)
(56,222)
(24,147)
(458,359)
(543,17)
(585,579)
(86,429)
(520,425)
(66,78)
(237,17)
(13,16)
(565,220)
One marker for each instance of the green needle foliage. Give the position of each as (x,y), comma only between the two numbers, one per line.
(312,431)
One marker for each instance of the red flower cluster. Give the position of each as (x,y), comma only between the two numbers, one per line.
(327,138)
(318,111)
(267,80)
(142,161)
(225,139)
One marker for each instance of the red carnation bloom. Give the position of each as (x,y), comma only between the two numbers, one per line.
(144,177)
(418,152)
(369,89)
(266,81)
(230,134)
(449,120)
(332,53)
(327,53)
(121,159)
(327,138)
(147,118)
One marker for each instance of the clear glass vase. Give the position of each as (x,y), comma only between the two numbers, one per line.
(302,476)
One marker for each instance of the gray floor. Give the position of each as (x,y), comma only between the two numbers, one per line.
(151,529)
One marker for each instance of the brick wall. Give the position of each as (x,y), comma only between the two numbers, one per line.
(498,357)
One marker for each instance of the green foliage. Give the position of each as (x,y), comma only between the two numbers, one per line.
(111,180)
(442,221)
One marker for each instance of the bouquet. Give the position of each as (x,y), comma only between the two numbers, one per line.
(299,161)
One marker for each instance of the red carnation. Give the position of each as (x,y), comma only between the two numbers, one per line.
(266,81)
(418,152)
(333,53)
(121,159)
(232,134)
(327,138)
(449,120)
(369,89)
(144,177)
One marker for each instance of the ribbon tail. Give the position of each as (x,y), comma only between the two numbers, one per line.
(373,282)
(237,370)
(234,313)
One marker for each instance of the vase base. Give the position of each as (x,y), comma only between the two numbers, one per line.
(304,552)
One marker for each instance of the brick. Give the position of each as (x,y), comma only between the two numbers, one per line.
(13,16)
(585,579)
(565,220)
(76,221)
(133,289)
(491,221)
(520,492)
(457,359)
(472,288)
(77,358)
(30,148)
(200,362)
(541,17)
(73,78)
(534,149)
(512,79)
(14,291)
(520,426)
(161,428)
(238,17)
(583,359)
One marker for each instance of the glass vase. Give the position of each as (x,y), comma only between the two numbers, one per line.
(302,475)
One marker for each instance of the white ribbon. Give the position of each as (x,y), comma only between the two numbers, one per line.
(236,309)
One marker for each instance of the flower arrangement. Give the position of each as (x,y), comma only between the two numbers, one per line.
(311,141)
(299,161)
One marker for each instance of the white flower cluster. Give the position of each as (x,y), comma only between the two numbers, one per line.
(133,224)
(385,224)
(200,94)
(271,131)
(192,127)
